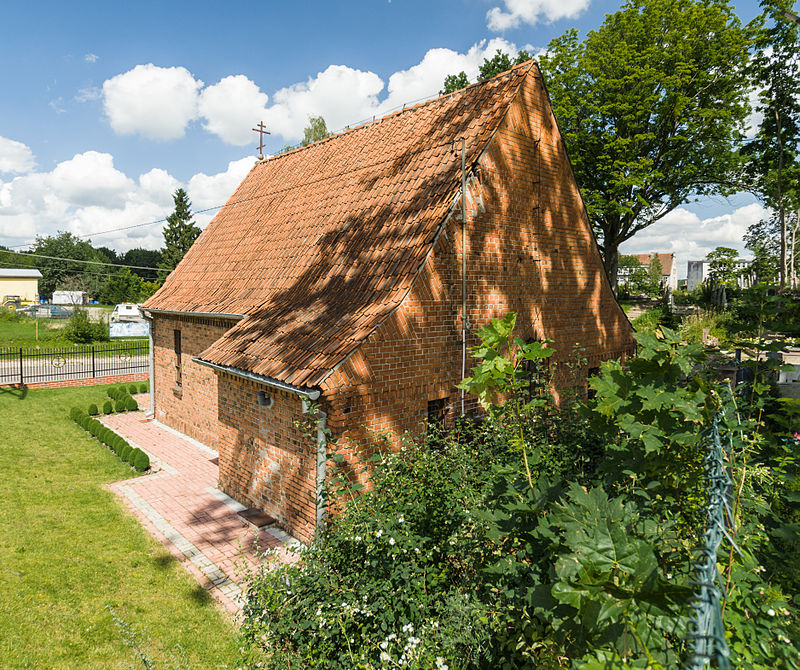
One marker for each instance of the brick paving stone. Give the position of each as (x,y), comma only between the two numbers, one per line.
(182,508)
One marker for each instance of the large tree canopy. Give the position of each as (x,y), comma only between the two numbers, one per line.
(651,106)
(773,155)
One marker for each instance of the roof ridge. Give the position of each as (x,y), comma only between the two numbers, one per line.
(397,112)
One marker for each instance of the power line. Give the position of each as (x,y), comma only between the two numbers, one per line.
(80,260)
(239,202)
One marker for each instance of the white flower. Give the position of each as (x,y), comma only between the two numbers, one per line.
(358,538)
(385,657)
(379,533)
(384,644)
(440,664)
(391,541)
(400,519)
(319,611)
(771,612)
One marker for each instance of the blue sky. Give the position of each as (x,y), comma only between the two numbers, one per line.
(108,107)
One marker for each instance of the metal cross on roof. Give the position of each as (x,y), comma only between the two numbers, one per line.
(261,130)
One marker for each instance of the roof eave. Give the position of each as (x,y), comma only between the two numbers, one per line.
(310,393)
(207,315)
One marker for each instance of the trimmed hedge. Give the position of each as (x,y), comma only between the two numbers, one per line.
(131,405)
(133,389)
(93,411)
(116,443)
(141,461)
(108,408)
(143,388)
(121,404)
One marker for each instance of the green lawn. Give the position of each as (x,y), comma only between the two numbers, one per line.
(22,333)
(68,550)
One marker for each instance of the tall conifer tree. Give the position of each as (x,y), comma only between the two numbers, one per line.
(180,232)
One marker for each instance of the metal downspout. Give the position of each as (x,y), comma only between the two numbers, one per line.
(151,367)
(322,458)
(463,266)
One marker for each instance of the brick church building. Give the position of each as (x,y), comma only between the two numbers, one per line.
(338,275)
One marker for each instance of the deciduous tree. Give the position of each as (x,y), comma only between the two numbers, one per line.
(651,105)
(773,155)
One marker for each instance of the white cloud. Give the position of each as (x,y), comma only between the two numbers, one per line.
(212,190)
(532,11)
(90,179)
(91,58)
(89,93)
(231,108)
(340,94)
(689,237)
(15,157)
(87,195)
(155,102)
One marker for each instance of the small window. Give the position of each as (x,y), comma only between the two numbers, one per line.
(178,357)
(538,374)
(590,392)
(437,411)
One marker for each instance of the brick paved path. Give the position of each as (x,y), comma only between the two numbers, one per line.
(180,505)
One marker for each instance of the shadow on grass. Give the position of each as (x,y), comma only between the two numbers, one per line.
(200,595)
(164,561)
(21,392)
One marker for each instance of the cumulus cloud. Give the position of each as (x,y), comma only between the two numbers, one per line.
(159,103)
(340,94)
(87,195)
(231,108)
(155,102)
(90,179)
(689,237)
(15,157)
(518,12)
(91,58)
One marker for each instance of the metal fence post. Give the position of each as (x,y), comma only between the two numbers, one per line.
(21,380)
(93,372)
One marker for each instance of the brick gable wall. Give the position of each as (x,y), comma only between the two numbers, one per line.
(529,249)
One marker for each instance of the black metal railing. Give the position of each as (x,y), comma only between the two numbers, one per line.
(24,366)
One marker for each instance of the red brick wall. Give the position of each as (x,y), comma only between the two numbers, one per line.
(265,459)
(192,408)
(529,250)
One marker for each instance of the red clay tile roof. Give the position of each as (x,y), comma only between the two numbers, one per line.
(666,261)
(318,246)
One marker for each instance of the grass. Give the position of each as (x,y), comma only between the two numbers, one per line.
(21,332)
(68,551)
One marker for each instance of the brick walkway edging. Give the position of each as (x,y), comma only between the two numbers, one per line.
(85,381)
(182,508)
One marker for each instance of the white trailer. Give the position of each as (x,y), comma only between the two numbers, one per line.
(70,298)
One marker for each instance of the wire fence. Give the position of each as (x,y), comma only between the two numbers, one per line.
(708,634)
(25,366)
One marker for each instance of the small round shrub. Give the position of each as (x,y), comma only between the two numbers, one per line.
(105,435)
(133,389)
(108,408)
(125,452)
(94,426)
(120,405)
(112,393)
(130,404)
(93,411)
(84,421)
(141,461)
(143,387)
(123,391)
(74,413)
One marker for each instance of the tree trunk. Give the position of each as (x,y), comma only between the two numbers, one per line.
(611,262)
(781,209)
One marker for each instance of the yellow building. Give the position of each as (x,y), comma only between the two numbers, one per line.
(23,282)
